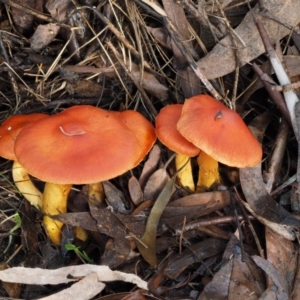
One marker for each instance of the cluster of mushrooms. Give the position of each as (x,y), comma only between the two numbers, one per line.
(87,145)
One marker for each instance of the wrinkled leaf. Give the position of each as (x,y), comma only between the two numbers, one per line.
(282,288)
(296,285)
(162,36)
(23,20)
(150,83)
(238,278)
(58,8)
(135,190)
(43,36)
(67,274)
(195,253)
(115,198)
(186,77)
(264,206)
(221,60)
(282,254)
(150,165)
(155,184)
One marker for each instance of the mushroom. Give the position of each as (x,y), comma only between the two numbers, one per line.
(9,131)
(219,131)
(167,133)
(81,145)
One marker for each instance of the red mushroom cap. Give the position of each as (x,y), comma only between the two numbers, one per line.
(167,133)
(9,131)
(83,144)
(219,131)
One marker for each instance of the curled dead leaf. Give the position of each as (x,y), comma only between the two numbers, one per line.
(263,206)
(221,60)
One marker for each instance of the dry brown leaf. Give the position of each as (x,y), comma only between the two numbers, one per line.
(282,254)
(221,60)
(43,36)
(218,288)
(292,63)
(196,253)
(150,83)
(210,199)
(162,36)
(150,165)
(187,79)
(135,190)
(155,184)
(86,221)
(22,20)
(115,198)
(237,279)
(295,294)
(118,250)
(264,206)
(281,291)
(246,279)
(58,8)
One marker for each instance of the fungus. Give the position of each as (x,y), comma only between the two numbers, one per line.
(9,131)
(81,145)
(219,131)
(167,133)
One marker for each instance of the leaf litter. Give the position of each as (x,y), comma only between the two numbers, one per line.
(238,240)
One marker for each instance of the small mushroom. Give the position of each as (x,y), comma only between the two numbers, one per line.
(219,131)
(81,145)
(9,131)
(167,133)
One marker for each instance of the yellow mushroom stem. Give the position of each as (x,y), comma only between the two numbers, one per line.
(96,193)
(185,175)
(55,202)
(25,185)
(208,172)
(81,234)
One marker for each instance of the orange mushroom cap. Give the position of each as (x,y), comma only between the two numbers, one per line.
(167,133)
(219,131)
(10,129)
(141,128)
(84,144)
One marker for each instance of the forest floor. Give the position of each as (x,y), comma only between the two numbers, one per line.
(149,236)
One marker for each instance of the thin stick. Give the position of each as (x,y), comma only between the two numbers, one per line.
(276,96)
(290,96)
